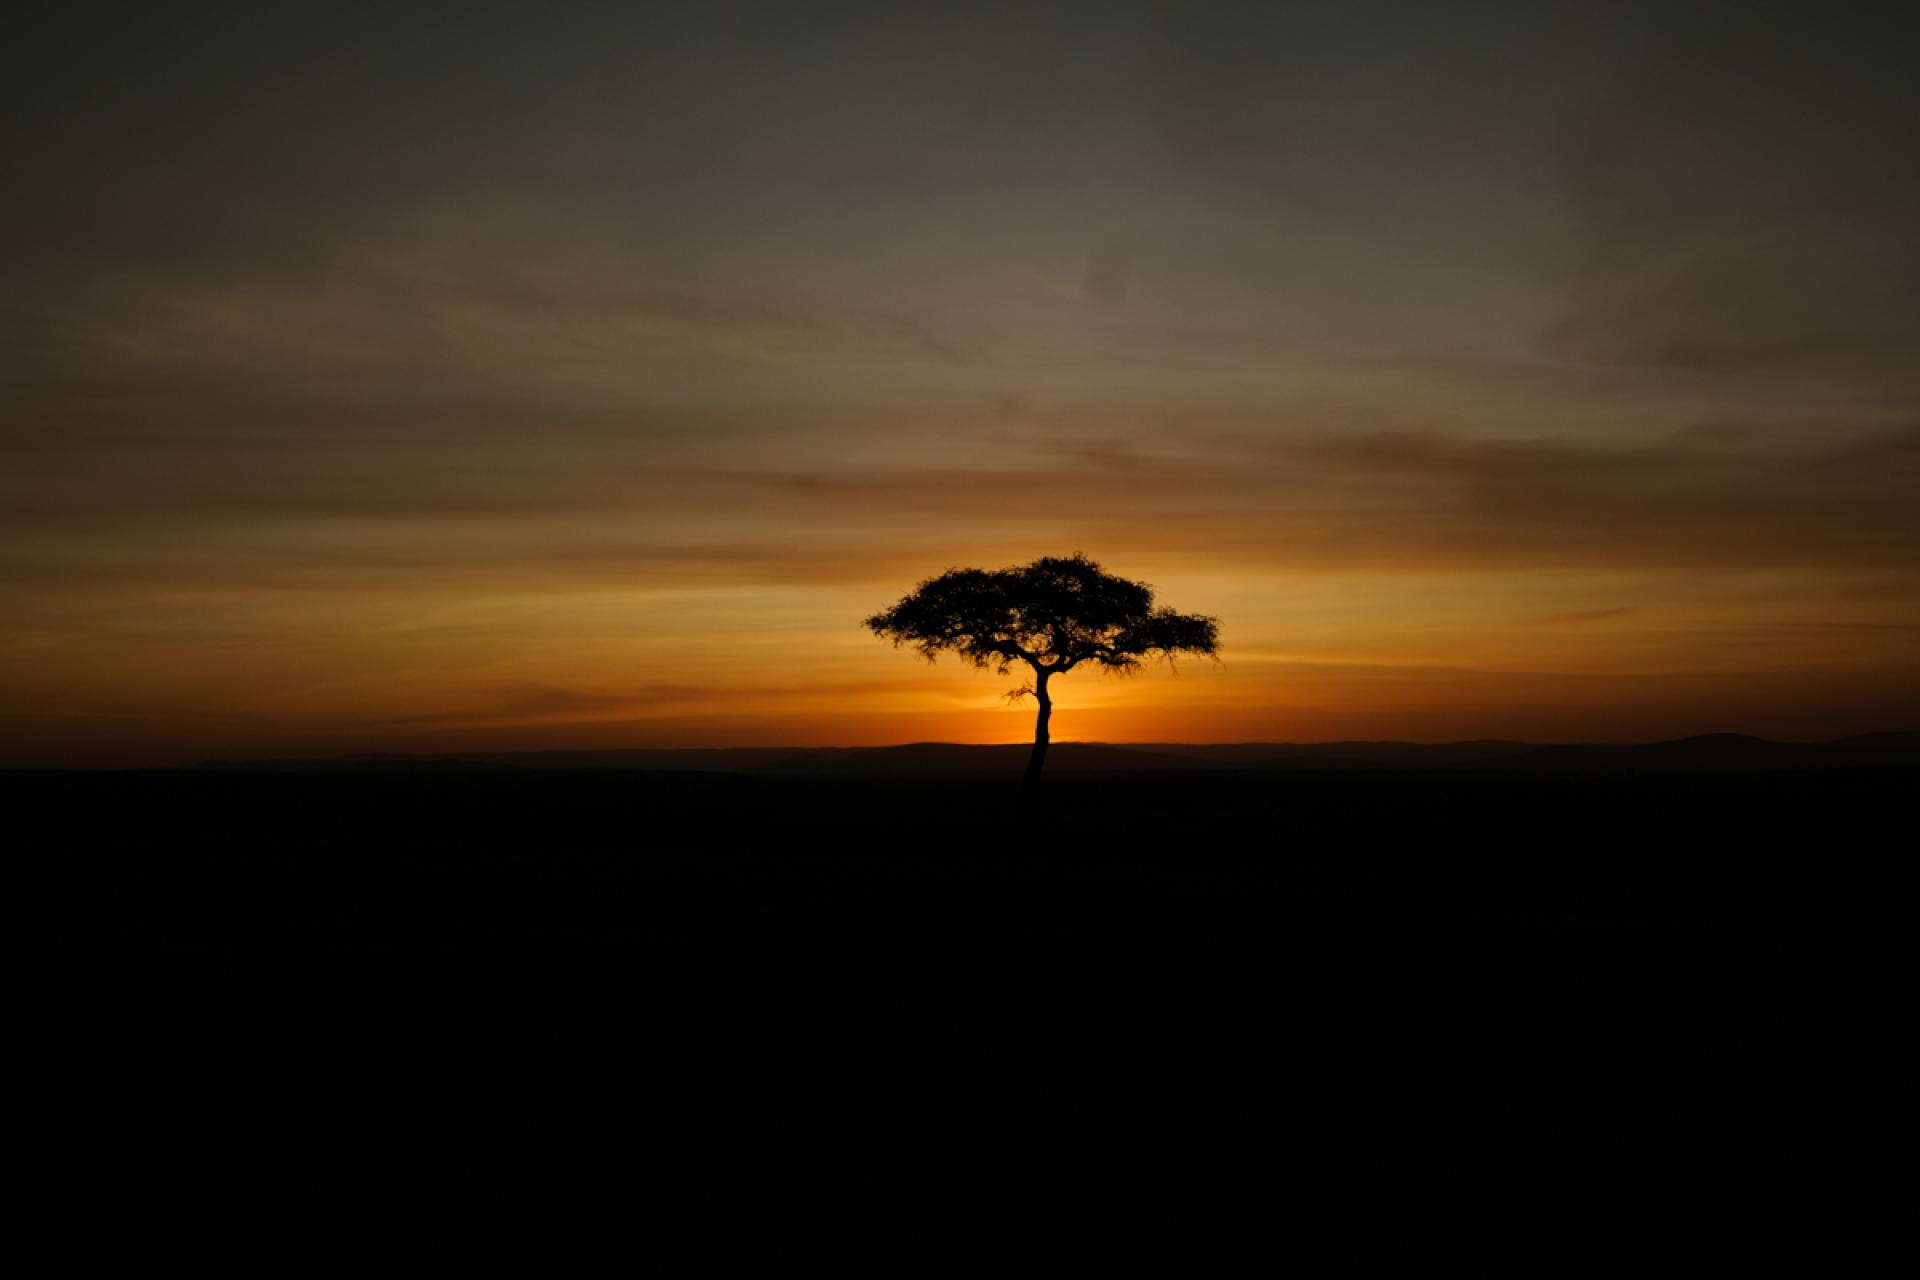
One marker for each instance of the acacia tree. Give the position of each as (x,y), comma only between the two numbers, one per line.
(1055,614)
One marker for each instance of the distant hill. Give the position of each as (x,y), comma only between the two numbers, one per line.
(1715,753)
(947,757)
(367,763)
(661,759)
(1395,755)
(1709,753)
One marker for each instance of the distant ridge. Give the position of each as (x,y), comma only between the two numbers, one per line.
(1420,755)
(1717,753)
(371,762)
(947,757)
(1706,753)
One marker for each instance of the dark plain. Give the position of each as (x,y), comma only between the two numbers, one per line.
(576,1022)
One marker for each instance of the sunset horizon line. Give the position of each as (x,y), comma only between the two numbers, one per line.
(321,754)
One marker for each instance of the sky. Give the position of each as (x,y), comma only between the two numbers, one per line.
(501,377)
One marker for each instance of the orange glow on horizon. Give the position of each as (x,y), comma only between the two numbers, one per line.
(1316,658)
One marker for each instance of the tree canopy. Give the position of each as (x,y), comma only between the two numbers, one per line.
(1053,614)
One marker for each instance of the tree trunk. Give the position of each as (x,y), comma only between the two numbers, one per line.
(1030,784)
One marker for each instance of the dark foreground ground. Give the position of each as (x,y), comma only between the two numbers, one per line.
(569,1023)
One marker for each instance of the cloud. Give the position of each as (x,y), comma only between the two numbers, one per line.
(308,515)
(1414,501)
(1580,617)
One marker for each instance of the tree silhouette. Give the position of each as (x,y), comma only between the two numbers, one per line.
(1054,615)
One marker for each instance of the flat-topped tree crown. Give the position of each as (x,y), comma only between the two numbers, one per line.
(1053,615)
